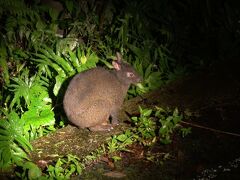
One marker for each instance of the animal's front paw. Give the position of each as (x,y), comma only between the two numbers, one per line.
(115,122)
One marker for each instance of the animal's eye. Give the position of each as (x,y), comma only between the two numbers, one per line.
(130,74)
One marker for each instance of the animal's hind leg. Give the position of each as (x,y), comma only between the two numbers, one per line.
(99,116)
(104,125)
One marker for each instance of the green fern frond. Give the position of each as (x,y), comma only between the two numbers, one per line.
(13,145)
(15,131)
(34,92)
(65,65)
(51,55)
(30,89)
(20,89)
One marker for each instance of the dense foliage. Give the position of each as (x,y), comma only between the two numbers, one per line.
(44,43)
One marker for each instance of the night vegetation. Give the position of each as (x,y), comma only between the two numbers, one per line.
(44,43)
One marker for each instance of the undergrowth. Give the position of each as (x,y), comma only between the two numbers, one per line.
(151,127)
(42,47)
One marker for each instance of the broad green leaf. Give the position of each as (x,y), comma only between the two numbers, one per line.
(83,59)
(122,137)
(146,112)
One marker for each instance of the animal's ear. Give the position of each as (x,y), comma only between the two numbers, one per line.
(119,57)
(116,64)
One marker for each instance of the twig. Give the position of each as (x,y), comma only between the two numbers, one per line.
(210,129)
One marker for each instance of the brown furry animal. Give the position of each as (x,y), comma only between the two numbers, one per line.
(95,95)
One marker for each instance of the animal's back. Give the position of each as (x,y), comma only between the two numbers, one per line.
(92,84)
(87,91)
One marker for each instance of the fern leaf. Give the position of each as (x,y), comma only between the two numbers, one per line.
(24,143)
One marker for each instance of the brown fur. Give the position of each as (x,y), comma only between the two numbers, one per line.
(97,94)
